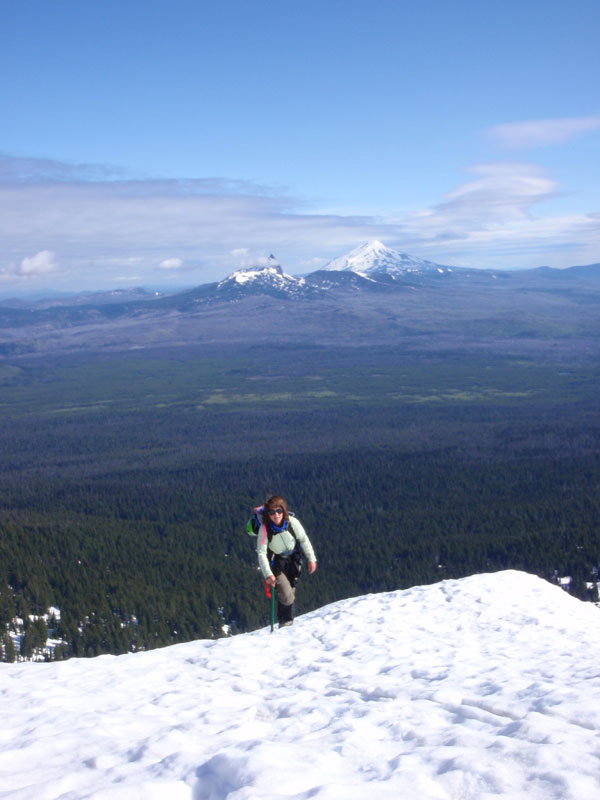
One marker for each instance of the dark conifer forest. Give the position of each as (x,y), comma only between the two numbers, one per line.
(127,479)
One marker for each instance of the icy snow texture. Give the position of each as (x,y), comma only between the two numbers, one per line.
(480,688)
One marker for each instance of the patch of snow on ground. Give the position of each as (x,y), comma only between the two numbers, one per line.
(473,689)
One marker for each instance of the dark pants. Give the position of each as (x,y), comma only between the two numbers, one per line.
(286,570)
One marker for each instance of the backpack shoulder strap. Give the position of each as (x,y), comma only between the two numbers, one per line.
(291,529)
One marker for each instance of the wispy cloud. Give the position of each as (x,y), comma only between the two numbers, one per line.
(47,170)
(499,193)
(538,133)
(90,232)
(497,220)
(97,227)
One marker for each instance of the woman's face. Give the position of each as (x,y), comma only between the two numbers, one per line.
(276,515)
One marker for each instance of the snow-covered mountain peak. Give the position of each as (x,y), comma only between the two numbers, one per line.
(269,278)
(364,257)
(273,272)
(375,258)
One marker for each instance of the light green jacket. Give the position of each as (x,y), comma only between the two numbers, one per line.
(282,544)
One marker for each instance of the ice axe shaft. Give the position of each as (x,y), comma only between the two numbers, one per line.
(271,595)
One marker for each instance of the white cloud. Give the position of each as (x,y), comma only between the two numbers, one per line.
(267,261)
(493,221)
(243,257)
(538,133)
(98,225)
(171,263)
(501,192)
(499,196)
(42,263)
(103,229)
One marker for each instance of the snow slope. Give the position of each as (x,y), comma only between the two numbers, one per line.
(375,258)
(270,278)
(480,688)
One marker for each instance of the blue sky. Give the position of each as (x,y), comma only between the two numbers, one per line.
(172,142)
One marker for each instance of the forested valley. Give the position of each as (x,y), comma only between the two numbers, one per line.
(127,479)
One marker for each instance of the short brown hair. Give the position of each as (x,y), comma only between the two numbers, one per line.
(276,501)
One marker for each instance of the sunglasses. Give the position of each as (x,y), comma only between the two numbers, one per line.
(272,511)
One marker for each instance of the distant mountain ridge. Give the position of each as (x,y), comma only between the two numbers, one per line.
(391,290)
(374,267)
(371,267)
(101,297)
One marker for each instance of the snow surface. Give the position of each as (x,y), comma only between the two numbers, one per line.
(375,258)
(243,276)
(480,688)
(271,275)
